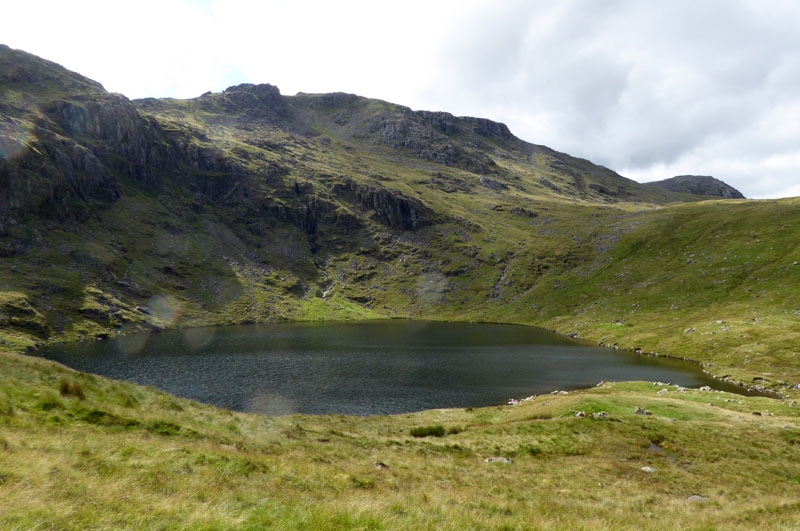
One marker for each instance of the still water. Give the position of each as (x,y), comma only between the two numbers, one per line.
(377,367)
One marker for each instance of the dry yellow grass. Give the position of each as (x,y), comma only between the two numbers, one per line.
(128,456)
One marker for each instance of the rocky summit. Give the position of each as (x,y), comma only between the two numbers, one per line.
(248,205)
(698,185)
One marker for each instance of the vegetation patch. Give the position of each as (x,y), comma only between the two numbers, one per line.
(71,389)
(428,431)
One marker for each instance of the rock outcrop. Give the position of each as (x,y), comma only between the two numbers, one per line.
(389,207)
(698,185)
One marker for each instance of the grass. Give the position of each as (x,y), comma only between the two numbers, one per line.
(428,431)
(263,235)
(132,456)
(637,272)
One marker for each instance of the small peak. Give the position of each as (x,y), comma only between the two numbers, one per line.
(263,89)
(698,185)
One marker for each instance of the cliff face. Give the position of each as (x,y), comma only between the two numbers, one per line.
(698,185)
(248,205)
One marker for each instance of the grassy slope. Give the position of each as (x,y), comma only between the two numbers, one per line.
(712,281)
(636,274)
(130,456)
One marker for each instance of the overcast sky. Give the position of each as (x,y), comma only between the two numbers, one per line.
(651,89)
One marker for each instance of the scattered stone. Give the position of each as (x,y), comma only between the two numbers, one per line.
(705,388)
(498,460)
(720,322)
(580,414)
(517,401)
(229,447)
(381,466)
(640,411)
(787,427)
(648,469)
(689,330)
(663,391)
(696,498)
(599,415)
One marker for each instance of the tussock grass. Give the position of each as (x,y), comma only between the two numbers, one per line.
(71,389)
(428,431)
(129,456)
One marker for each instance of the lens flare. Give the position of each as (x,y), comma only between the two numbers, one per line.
(131,344)
(270,404)
(198,338)
(14,139)
(432,289)
(165,308)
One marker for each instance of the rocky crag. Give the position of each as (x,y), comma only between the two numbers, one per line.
(698,185)
(248,205)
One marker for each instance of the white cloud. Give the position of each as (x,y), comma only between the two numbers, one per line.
(650,89)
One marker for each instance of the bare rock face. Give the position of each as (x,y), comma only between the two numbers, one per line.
(262,101)
(390,207)
(698,185)
(450,125)
(408,131)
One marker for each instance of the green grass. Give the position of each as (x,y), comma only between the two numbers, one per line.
(428,431)
(260,233)
(637,272)
(127,456)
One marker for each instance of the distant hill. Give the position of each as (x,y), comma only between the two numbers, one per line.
(698,185)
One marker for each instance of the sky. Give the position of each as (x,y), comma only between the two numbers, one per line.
(650,89)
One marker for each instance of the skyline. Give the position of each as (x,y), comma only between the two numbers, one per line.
(648,90)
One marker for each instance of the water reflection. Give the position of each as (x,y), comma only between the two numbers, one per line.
(365,368)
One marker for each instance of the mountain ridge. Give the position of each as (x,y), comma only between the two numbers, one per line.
(121,218)
(246,205)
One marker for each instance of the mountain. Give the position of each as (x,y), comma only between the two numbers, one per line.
(244,206)
(698,185)
(248,205)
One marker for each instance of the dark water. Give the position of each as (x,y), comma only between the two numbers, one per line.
(365,368)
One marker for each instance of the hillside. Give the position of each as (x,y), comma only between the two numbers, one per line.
(698,185)
(248,206)
(108,454)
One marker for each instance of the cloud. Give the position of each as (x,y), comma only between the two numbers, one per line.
(651,89)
